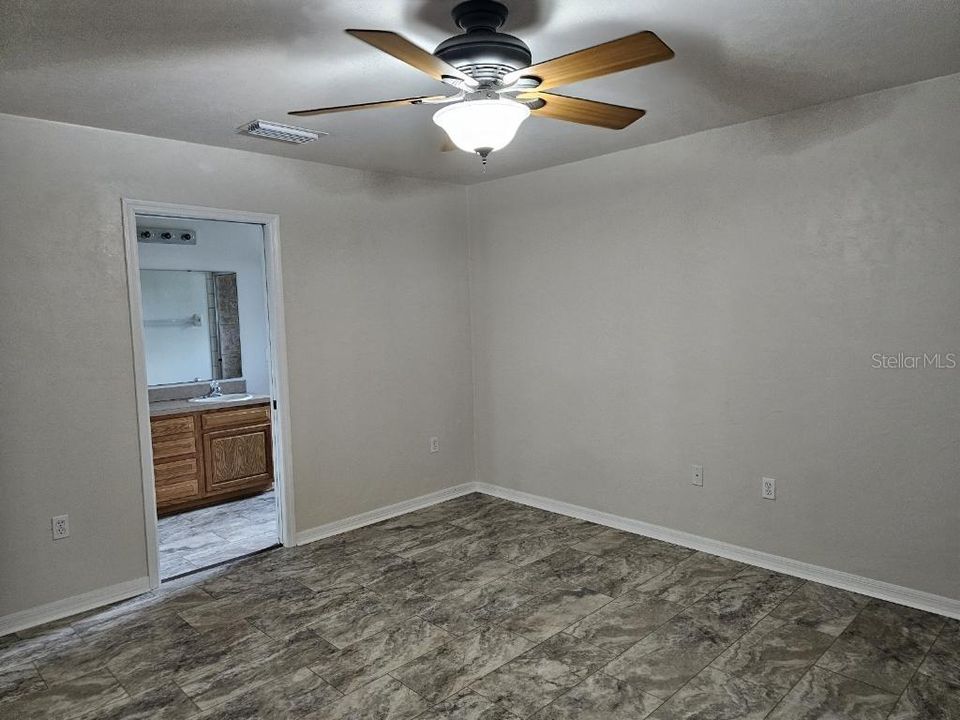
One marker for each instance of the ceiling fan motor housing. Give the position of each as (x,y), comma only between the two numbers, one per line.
(481,51)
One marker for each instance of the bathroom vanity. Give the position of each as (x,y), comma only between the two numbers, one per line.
(212,439)
(203,455)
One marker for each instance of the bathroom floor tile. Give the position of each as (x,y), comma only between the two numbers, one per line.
(192,540)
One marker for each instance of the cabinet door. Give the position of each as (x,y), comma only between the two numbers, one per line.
(237,458)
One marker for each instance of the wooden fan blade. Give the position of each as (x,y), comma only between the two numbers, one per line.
(628,52)
(368,106)
(585,112)
(402,49)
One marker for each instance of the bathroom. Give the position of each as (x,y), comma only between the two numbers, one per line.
(207,355)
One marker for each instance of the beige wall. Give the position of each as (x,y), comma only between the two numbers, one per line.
(375,271)
(714,299)
(717,299)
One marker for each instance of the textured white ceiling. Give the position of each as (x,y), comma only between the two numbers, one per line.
(195,70)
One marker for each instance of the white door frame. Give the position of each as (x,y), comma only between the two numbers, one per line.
(279,390)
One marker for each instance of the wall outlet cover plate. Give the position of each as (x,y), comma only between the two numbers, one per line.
(768,488)
(60,526)
(696,475)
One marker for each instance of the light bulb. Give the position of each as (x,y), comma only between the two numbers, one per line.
(482,126)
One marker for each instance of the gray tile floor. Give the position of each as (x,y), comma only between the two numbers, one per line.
(481,609)
(197,539)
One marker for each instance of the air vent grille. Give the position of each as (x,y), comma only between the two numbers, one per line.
(279,131)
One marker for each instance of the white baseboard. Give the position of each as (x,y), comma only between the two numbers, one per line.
(836,578)
(105,596)
(385,513)
(72,605)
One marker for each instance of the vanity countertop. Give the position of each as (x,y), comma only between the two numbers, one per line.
(175,407)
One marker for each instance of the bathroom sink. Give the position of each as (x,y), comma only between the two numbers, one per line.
(226,397)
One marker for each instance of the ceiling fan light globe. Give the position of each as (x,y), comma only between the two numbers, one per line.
(477,124)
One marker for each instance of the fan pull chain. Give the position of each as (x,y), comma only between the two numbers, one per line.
(483,153)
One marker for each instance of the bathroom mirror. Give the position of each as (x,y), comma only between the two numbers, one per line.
(191,325)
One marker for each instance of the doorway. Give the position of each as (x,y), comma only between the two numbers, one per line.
(210,364)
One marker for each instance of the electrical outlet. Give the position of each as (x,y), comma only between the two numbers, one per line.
(768,489)
(60,526)
(696,475)
(434,445)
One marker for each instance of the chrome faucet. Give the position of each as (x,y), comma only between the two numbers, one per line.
(215,390)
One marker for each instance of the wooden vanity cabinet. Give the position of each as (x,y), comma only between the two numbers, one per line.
(176,462)
(237,449)
(207,456)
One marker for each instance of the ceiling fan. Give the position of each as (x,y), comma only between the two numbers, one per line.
(498,87)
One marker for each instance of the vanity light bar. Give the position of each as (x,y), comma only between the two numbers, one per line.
(279,131)
(168,236)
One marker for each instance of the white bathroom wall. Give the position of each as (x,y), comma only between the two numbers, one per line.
(719,299)
(226,247)
(376,305)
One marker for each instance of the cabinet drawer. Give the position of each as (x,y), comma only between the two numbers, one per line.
(177,480)
(186,489)
(165,426)
(171,447)
(241,416)
(169,473)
